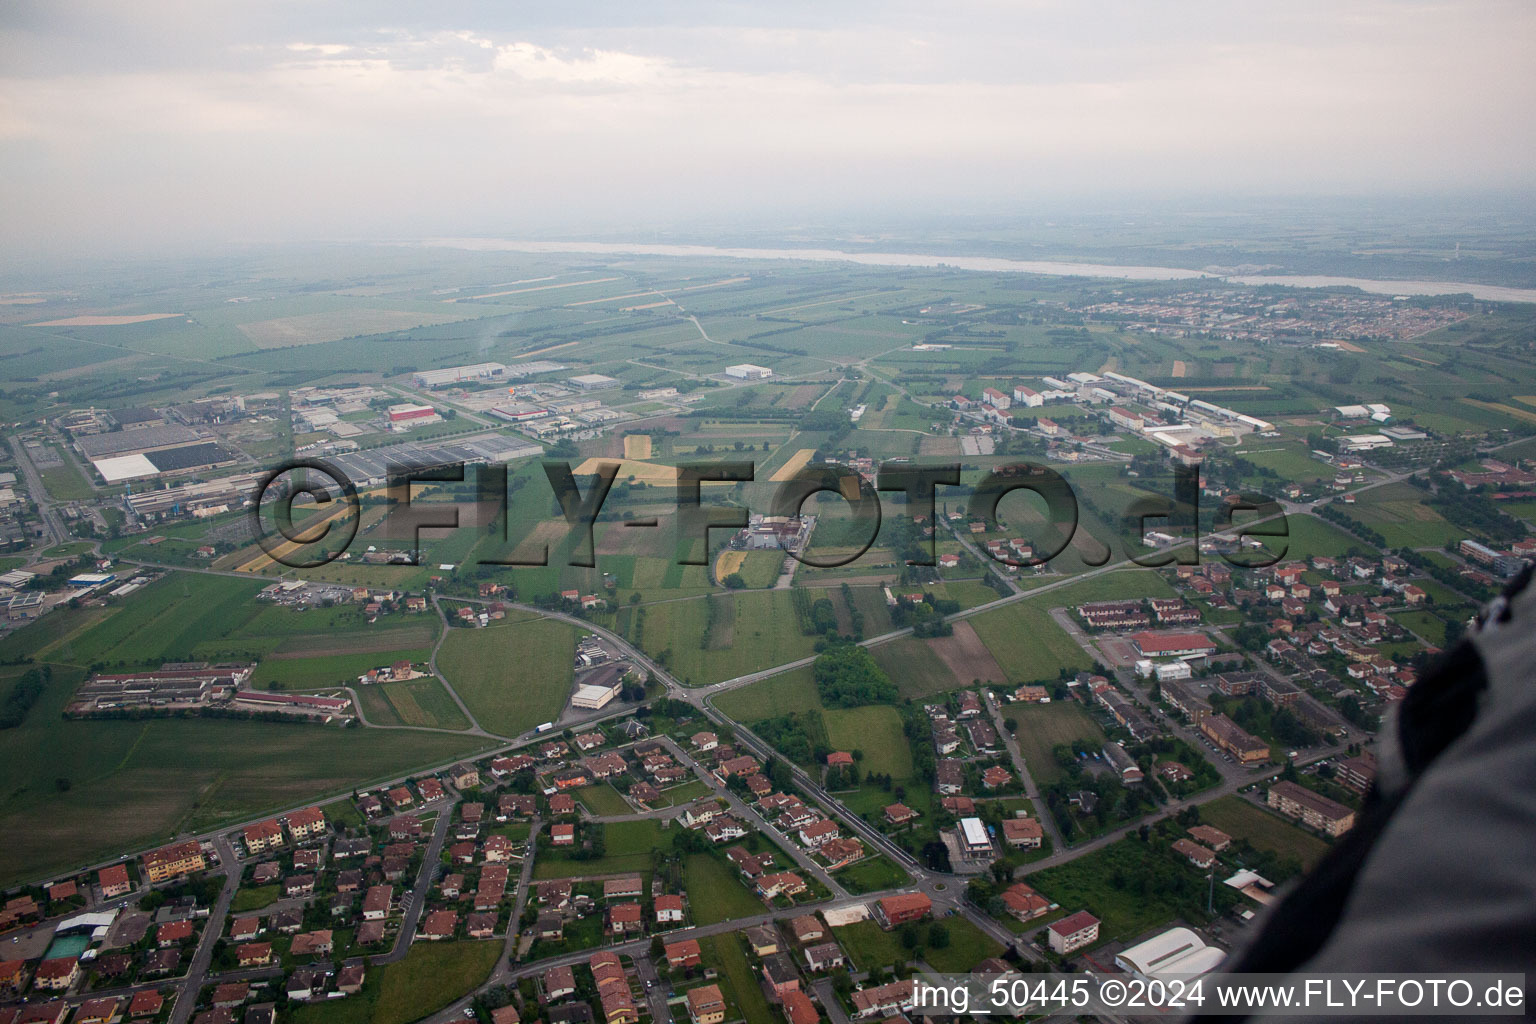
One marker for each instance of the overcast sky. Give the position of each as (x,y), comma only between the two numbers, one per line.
(175,122)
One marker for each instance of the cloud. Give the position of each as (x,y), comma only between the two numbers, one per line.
(234,121)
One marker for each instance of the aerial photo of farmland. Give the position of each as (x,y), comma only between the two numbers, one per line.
(418,602)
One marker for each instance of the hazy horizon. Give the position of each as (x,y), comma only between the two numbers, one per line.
(176,125)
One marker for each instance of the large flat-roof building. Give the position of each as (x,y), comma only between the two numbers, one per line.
(597,688)
(592,382)
(1172,645)
(748,371)
(974,841)
(406,415)
(458,374)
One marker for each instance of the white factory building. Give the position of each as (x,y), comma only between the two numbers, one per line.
(1175,951)
(592,382)
(748,371)
(457,374)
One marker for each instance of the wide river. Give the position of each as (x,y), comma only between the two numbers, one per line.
(991,264)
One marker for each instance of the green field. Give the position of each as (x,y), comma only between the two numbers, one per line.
(432,975)
(513,677)
(868,946)
(877,732)
(166,621)
(423,703)
(873,874)
(1308,536)
(327,670)
(1294,462)
(1027,644)
(603,799)
(737,980)
(629,849)
(1398,513)
(1043,726)
(80,791)
(1241,820)
(761,568)
(1426,624)
(763,630)
(64,481)
(715,892)
(1090,883)
(133,784)
(780,694)
(915,668)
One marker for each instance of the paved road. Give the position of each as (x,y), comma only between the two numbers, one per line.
(655,990)
(946,891)
(829,1002)
(213,929)
(1016,755)
(524,885)
(417,898)
(749,814)
(39,494)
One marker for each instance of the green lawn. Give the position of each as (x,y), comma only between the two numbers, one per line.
(342,813)
(868,946)
(603,799)
(256,898)
(82,791)
(328,670)
(1027,644)
(779,695)
(420,702)
(69,549)
(628,848)
(763,630)
(513,677)
(1106,884)
(432,975)
(1240,819)
(737,980)
(1398,513)
(876,730)
(715,892)
(873,874)
(1043,726)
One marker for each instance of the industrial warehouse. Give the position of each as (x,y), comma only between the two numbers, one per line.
(374,467)
(151,452)
(194,687)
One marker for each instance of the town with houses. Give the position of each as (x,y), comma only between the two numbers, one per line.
(600,773)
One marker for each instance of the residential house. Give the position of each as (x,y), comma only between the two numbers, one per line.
(1073,932)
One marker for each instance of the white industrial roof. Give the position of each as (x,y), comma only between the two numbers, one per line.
(1175,951)
(974,831)
(125,467)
